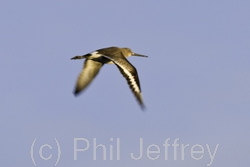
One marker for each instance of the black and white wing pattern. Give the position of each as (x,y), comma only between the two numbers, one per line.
(130,74)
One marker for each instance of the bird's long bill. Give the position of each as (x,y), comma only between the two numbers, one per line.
(136,54)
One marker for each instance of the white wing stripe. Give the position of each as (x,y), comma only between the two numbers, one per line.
(132,80)
(130,76)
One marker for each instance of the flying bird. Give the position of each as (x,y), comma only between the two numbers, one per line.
(111,55)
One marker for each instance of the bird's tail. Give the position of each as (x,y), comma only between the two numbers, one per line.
(79,57)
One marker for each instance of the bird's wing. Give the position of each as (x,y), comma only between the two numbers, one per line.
(88,73)
(130,73)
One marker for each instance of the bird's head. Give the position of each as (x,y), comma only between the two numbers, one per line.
(128,52)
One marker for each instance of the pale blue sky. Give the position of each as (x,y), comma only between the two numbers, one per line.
(195,82)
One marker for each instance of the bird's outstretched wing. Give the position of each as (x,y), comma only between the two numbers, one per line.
(88,73)
(130,74)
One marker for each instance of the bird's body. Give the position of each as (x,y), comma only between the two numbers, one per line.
(112,55)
